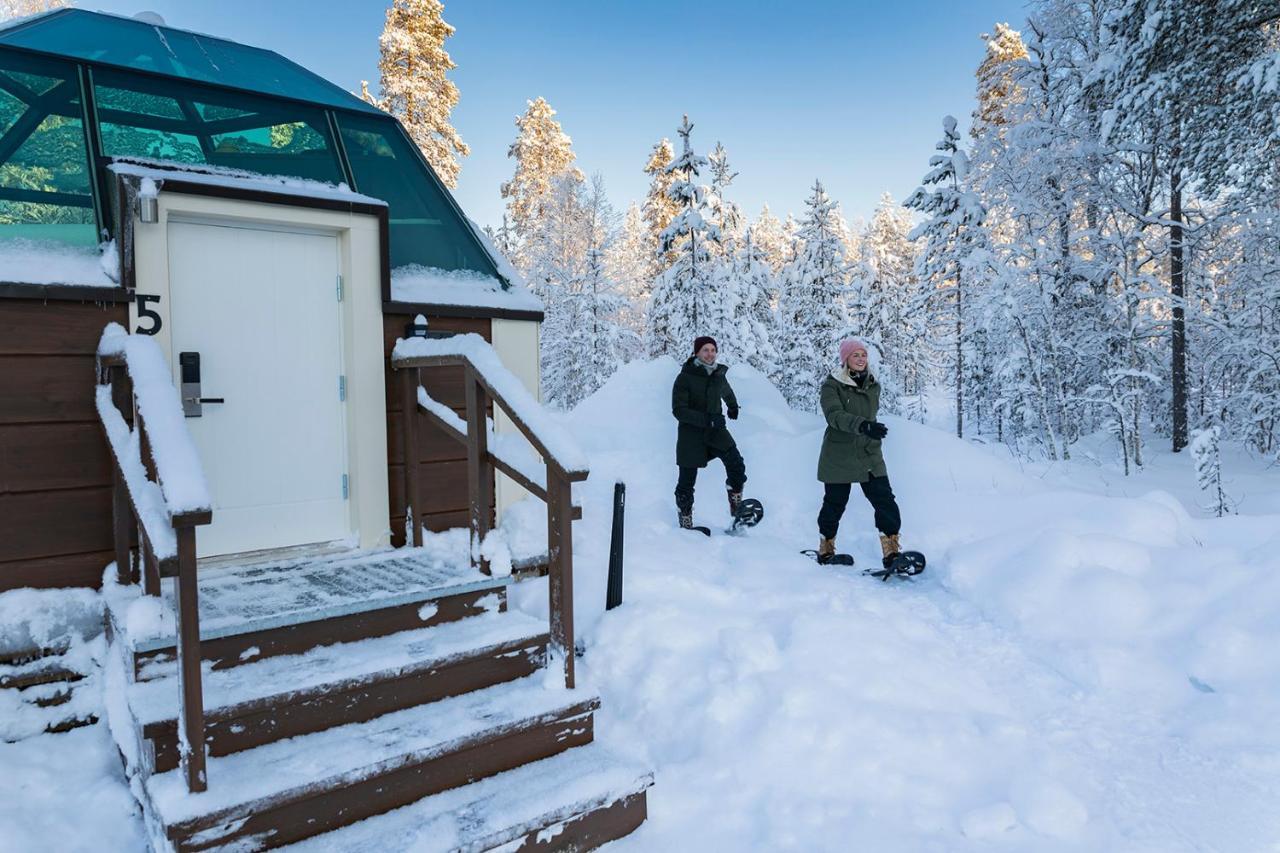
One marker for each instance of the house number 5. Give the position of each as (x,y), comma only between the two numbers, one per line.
(146,313)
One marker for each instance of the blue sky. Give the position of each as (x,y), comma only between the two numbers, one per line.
(849,92)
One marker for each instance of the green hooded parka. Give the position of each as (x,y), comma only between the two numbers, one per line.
(847,455)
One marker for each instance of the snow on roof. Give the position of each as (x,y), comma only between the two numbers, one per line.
(46,262)
(160,171)
(556,440)
(434,286)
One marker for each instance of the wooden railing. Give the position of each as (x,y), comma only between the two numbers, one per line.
(158,499)
(484,379)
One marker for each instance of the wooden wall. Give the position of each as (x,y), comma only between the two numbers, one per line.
(442,460)
(55,496)
(55,479)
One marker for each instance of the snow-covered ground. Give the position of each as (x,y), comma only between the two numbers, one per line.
(1090,662)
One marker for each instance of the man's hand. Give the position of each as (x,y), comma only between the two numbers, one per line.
(715,421)
(733,413)
(873,429)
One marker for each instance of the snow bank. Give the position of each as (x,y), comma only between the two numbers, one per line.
(434,286)
(32,619)
(67,792)
(1076,670)
(43,262)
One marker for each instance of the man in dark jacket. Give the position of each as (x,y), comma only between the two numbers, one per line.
(695,401)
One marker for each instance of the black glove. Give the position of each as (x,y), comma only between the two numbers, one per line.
(715,421)
(733,413)
(873,429)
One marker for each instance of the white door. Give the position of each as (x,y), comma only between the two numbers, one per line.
(261,308)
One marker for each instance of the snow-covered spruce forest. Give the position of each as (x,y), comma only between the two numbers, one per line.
(1100,252)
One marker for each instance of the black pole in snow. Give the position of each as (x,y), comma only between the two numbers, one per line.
(613,596)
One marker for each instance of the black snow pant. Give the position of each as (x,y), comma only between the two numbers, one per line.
(735,469)
(878,492)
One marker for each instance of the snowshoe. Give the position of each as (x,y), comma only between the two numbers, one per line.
(829,559)
(686,523)
(749,513)
(906,563)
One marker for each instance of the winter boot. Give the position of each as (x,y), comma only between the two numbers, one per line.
(826,550)
(735,501)
(686,521)
(890,548)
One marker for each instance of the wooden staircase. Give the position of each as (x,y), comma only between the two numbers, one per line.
(422,717)
(48,691)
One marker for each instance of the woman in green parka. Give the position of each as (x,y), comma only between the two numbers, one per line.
(851,452)
(697,396)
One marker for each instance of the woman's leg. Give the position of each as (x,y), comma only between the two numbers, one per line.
(835,498)
(880,494)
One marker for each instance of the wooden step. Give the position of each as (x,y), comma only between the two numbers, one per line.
(36,673)
(50,692)
(228,643)
(294,789)
(283,697)
(577,800)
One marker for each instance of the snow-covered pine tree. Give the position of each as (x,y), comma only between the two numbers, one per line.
(1207,456)
(753,322)
(628,262)
(504,237)
(685,303)
(887,287)
(1178,66)
(728,215)
(811,313)
(952,236)
(659,208)
(771,241)
(415,88)
(584,339)
(543,153)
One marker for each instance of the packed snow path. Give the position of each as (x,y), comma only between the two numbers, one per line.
(1073,672)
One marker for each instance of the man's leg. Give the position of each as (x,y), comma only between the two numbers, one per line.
(684,494)
(735,470)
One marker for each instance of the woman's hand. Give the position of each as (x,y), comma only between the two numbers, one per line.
(873,429)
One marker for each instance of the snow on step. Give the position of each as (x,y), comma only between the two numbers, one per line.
(238,599)
(346,754)
(497,810)
(341,665)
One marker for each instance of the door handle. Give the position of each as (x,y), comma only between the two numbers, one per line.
(192,402)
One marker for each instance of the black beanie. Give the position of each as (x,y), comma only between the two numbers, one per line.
(700,342)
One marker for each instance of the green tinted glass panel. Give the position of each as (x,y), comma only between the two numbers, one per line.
(425,228)
(170,120)
(128,43)
(45,186)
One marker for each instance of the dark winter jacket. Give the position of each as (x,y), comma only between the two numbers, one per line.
(695,398)
(847,455)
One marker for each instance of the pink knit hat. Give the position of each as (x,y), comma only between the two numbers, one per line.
(848,345)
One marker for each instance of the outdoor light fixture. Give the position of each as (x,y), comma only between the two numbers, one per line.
(149,208)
